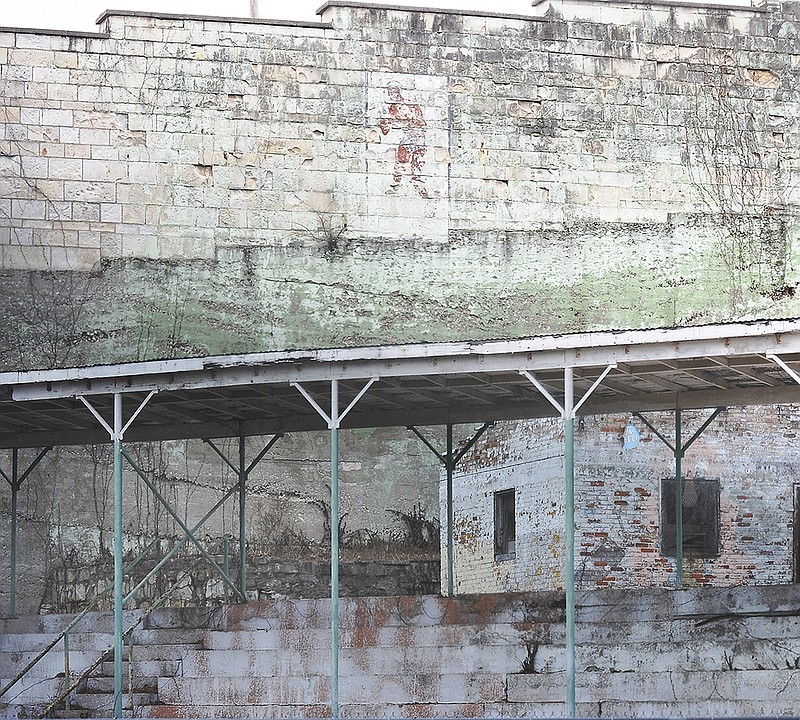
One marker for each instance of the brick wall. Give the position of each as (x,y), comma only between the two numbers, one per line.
(750,452)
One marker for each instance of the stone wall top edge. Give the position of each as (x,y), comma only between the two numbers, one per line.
(665,5)
(429,10)
(212,18)
(54,32)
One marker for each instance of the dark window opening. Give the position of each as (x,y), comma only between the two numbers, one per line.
(700,517)
(505,525)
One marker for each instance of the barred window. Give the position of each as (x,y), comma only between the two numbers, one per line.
(700,517)
(505,525)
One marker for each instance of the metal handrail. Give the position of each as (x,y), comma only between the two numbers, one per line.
(130,595)
(91,668)
(74,622)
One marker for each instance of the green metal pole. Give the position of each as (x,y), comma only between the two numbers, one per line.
(14,528)
(334,548)
(118,589)
(678,500)
(569,502)
(225,567)
(67,679)
(242,526)
(449,464)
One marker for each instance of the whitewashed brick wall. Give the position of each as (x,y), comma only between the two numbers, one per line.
(751,452)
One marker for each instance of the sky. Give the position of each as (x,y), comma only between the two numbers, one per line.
(82,14)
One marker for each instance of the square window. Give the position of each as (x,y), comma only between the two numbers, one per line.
(700,517)
(505,525)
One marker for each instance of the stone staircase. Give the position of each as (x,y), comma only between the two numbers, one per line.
(155,652)
(645,653)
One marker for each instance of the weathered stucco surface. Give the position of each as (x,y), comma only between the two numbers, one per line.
(393,175)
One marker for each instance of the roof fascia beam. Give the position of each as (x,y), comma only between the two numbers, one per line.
(505,357)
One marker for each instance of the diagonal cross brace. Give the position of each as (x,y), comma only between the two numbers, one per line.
(111,431)
(557,405)
(449,459)
(24,476)
(254,463)
(443,458)
(182,525)
(334,422)
(779,361)
(231,491)
(684,446)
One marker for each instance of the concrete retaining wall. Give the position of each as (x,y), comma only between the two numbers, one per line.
(704,652)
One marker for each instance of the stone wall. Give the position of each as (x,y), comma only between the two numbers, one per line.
(388,504)
(179,186)
(211,185)
(704,652)
(751,453)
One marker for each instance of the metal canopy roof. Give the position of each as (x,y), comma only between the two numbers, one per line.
(425,384)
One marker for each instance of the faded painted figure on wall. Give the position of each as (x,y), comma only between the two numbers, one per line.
(410,155)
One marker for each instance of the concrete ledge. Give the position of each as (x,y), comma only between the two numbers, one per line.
(428,10)
(212,18)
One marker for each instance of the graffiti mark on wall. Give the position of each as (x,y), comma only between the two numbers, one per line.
(406,117)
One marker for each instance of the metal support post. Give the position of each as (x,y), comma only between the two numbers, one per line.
(334,421)
(334,548)
(67,678)
(118,589)
(567,412)
(225,561)
(450,460)
(116,431)
(679,450)
(569,510)
(15,481)
(14,527)
(450,467)
(243,471)
(678,501)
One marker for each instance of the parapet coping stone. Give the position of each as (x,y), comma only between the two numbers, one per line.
(163,16)
(428,10)
(633,4)
(667,5)
(213,18)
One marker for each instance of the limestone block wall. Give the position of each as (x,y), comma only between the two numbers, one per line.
(385,175)
(175,186)
(751,453)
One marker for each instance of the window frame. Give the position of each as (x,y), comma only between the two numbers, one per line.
(706,522)
(505,509)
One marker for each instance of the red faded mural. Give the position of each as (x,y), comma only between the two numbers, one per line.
(408,118)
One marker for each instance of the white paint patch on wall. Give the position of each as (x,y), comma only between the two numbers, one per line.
(528,458)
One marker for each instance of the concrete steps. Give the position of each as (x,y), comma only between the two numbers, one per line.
(704,652)
(157,652)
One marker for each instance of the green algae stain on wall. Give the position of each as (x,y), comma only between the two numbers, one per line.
(387,293)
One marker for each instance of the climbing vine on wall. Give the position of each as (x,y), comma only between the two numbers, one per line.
(737,166)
